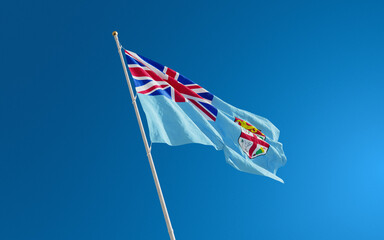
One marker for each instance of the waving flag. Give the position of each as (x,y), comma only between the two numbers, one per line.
(180,111)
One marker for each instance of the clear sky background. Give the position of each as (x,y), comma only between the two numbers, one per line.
(72,162)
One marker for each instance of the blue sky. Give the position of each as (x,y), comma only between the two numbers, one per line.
(72,162)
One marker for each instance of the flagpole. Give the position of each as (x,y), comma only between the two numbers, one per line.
(147,148)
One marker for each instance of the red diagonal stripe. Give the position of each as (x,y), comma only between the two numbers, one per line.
(203,109)
(171,73)
(193,87)
(179,97)
(138,72)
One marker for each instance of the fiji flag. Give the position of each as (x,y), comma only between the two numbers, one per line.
(179,111)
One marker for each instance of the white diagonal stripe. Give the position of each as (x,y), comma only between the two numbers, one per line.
(196,99)
(151,84)
(199,90)
(148,93)
(143,78)
(137,66)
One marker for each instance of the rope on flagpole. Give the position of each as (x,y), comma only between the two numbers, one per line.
(147,148)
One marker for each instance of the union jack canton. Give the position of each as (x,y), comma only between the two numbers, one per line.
(152,78)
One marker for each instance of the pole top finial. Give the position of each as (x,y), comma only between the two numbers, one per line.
(114,33)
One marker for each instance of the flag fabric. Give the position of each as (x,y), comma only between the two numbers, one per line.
(179,111)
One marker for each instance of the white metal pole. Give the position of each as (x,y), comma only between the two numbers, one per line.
(147,148)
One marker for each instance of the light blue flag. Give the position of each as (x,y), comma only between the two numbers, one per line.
(178,112)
